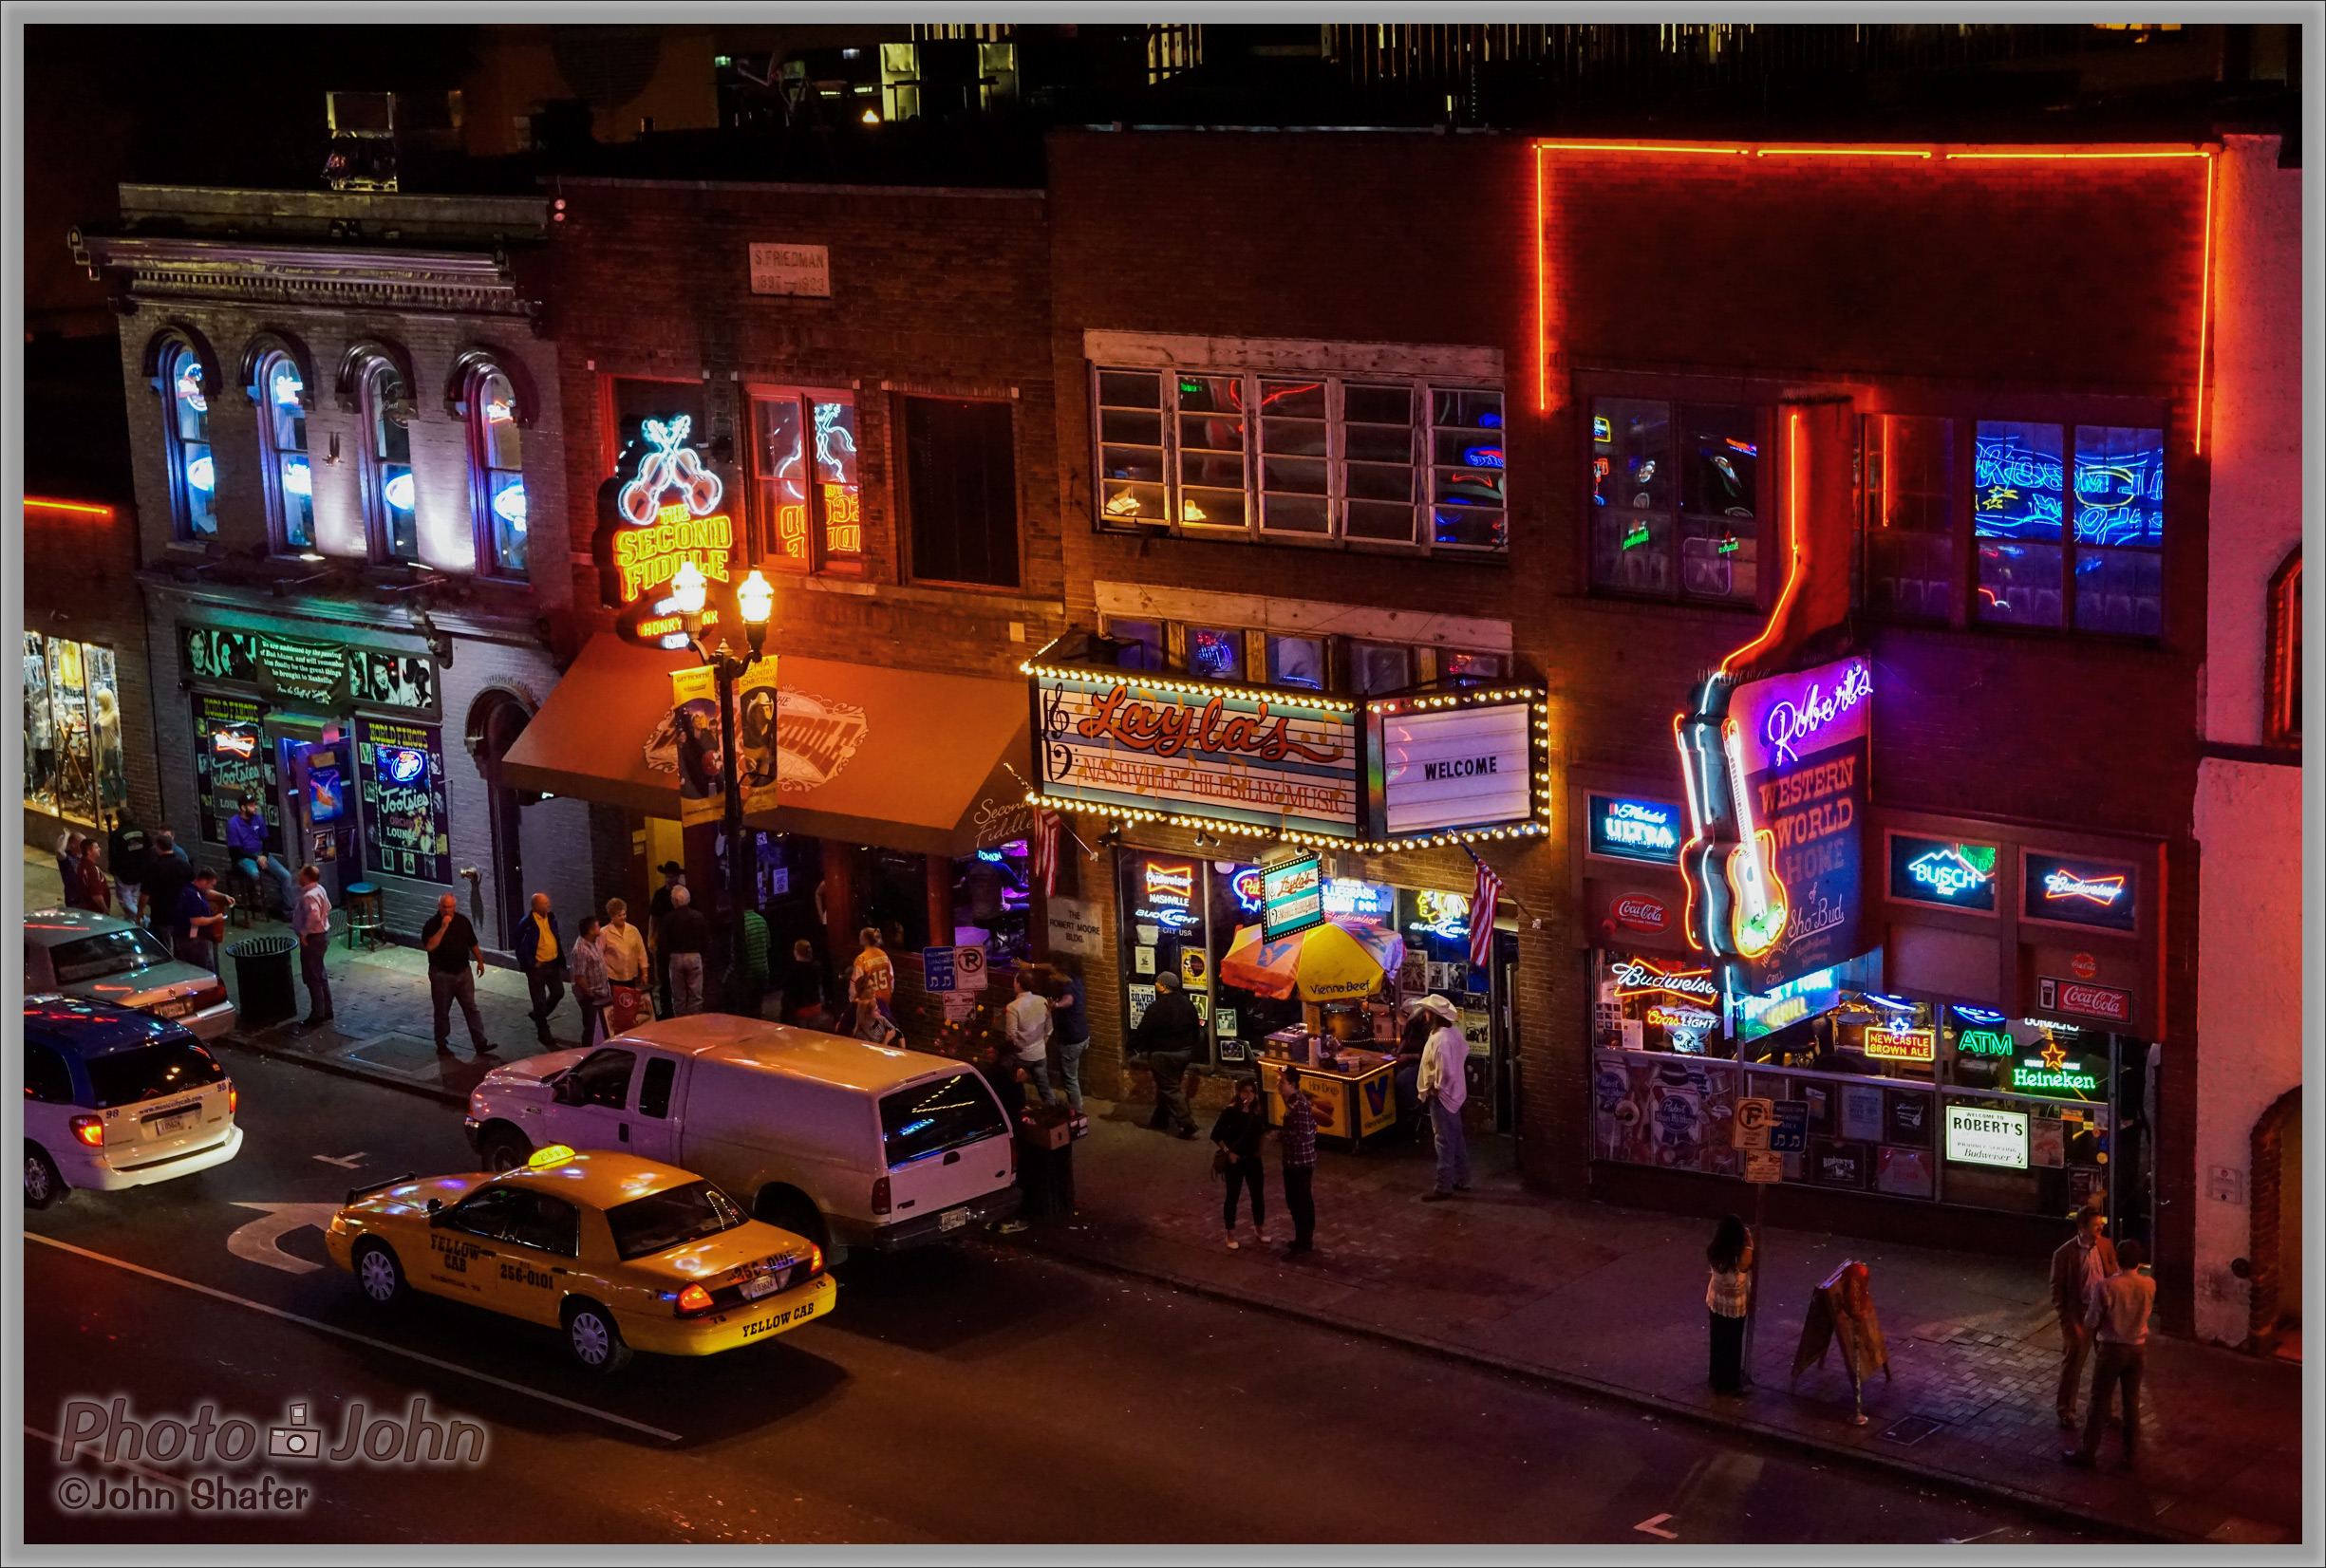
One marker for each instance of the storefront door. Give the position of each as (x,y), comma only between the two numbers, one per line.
(317,818)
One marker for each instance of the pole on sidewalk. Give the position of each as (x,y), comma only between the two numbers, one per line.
(1752,1284)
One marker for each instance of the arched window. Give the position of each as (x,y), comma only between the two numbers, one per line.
(281,395)
(499,470)
(185,405)
(390,504)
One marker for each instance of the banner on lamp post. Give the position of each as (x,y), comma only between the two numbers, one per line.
(756,703)
(694,728)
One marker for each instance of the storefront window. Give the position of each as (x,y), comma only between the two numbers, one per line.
(400,769)
(389,494)
(992,903)
(1164,929)
(72,729)
(1675,499)
(495,449)
(1909,516)
(896,901)
(193,476)
(1297,661)
(2017,509)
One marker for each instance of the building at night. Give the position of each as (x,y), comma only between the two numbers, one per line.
(347,464)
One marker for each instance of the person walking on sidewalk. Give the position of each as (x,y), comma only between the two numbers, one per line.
(674,877)
(246,841)
(90,890)
(626,966)
(1167,1037)
(869,1020)
(1237,1135)
(2082,1262)
(542,960)
(451,944)
(1026,1021)
(167,875)
(1444,1086)
(2119,1317)
(1298,1135)
(1070,1027)
(679,937)
(1727,1297)
(197,927)
(592,991)
(310,922)
(873,959)
(130,851)
(803,988)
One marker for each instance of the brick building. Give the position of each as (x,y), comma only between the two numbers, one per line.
(345,443)
(1654,318)
(863,373)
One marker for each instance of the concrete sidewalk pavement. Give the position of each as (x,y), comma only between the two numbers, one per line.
(1611,1300)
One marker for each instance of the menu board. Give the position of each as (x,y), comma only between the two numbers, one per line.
(232,758)
(400,770)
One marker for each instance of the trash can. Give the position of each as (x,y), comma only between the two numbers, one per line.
(262,976)
(1045,1168)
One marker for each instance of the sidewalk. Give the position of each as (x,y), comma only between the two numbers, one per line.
(1610,1300)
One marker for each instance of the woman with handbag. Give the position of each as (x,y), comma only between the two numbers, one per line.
(1236,1158)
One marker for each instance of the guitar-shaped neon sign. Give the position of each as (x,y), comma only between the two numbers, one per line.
(1758,910)
(669,465)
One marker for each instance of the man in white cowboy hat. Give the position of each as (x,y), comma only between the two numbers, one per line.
(1443,1088)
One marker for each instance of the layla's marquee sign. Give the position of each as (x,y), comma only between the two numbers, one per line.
(1775,773)
(662,516)
(1244,755)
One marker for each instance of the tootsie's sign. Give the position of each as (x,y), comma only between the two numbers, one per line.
(1240,754)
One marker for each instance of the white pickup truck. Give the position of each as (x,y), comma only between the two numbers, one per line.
(845,1142)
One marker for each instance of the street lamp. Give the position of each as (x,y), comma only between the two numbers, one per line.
(754,600)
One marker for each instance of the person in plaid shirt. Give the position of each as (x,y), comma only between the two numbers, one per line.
(1300,1140)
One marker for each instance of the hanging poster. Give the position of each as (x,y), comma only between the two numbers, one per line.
(232,758)
(1904,1172)
(391,679)
(1836,1164)
(400,770)
(694,722)
(2048,1142)
(1906,1118)
(757,759)
(1142,998)
(1142,961)
(1862,1112)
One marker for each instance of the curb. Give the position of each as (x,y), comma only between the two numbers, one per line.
(258,1046)
(2033,1503)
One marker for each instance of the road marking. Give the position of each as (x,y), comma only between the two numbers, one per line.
(358,1338)
(344,1161)
(1965,1541)
(1647,1527)
(255,1242)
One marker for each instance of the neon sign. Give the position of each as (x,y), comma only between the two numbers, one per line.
(1682,1018)
(1790,722)
(1984,1042)
(1245,886)
(1900,1045)
(664,518)
(1636,536)
(235,743)
(1640,977)
(2101,890)
(1369,900)
(1601,429)
(669,465)
(1483,456)
(1173,885)
(1929,870)
(1444,915)
(2080,892)
(2050,1071)
(1985,1017)
(1634,829)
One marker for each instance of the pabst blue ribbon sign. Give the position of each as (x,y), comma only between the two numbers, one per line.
(1233,754)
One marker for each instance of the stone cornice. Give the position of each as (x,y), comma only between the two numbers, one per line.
(157,268)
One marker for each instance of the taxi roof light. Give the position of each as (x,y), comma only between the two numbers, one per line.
(554,1154)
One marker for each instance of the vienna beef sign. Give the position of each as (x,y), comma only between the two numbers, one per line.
(1777,782)
(1237,754)
(663,515)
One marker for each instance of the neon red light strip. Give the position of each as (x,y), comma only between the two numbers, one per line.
(1795,526)
(2204,302)
(68,506)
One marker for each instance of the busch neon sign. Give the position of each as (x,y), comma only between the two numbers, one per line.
(1946,873)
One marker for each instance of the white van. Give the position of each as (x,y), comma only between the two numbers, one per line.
(843,1142)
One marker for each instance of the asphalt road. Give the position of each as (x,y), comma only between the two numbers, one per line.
(963,1395)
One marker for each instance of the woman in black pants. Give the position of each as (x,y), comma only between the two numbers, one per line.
(1727,1299)
(1237,1135)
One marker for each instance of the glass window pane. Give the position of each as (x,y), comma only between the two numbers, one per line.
(1212,508)
(779,456)
(76,781)
(1211,432)
(1297,661)
(297,486)
(1469,486)
(1909,516)
(1292,400)
(1218,470)
(201,483)
(1722,457)
(1379,668)
(2119,590)
(508,504)
(391,441)
(1378,405)
(396,504)
(105,727)
(40,727)
(1213,395)
(1631,552)
(1294,437)
(1142,643)
(1379,522)
(1471,527)
(1143,464)
(2015,481)
(1719,558)
(500,431)
(1378,482)
(1216,653)
(1134,429)
(1466,410)
(835,476)
(1470,667)
(1295,514)
(1631,454)
(188,398)
(1130,389)
(1377,443)
(2018,584)
(2119,487)
(1130,503)
(1299,475)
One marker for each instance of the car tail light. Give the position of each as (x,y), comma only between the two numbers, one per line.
(693,1299)
(233,1097)
(880,1196)
(90,1130)
(210,996)
(815,1259)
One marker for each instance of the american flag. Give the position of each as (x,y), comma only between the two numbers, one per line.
(1484,895)
(1046,824)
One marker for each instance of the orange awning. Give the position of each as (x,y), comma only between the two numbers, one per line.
(899,758)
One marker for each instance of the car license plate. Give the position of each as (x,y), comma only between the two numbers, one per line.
(952,1219)
(169,1126)
(174,1009)
(764,1285)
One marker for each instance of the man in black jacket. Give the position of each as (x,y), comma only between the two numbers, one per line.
(1168,1036)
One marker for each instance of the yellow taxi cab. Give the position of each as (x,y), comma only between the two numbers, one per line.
(619,1252)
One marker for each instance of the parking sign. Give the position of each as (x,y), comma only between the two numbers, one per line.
(1750,1128)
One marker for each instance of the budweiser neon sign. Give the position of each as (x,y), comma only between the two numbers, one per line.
(1168,729)
(2104,892)
(1792,723)
(1638,978)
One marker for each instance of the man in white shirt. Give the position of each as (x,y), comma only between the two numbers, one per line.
(1443,1088)
(1027,1021)
(311,918)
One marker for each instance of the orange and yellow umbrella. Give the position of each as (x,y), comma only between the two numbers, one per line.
(1344,958)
